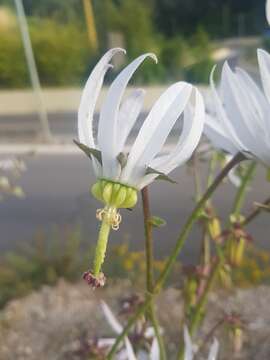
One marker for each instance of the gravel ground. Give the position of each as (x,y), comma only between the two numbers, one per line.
(48,324)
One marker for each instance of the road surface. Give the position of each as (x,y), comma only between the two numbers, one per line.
(57,194)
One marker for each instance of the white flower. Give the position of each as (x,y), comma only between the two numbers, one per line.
(189,348)
(143,162)
(241,122)
(127,353)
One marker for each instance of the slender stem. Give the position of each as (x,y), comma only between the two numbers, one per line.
(197,179)
(195,320)
(240,196)
(212,167)
(149,268)
(193,217)
(178,247)
(101,246)
(255,213)
(148,240)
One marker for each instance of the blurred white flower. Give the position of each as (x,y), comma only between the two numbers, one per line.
(143,162)
(127,353)
(241,119)
(190,349)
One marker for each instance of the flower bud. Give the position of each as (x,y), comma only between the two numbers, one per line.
(214,227)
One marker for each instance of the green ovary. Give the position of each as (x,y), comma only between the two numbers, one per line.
(114,194)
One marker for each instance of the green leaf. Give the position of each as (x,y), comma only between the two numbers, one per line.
(157,221)
(89,151)
(161,175)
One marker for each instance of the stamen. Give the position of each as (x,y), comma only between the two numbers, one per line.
(111,216)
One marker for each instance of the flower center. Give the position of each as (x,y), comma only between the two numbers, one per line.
(110,215)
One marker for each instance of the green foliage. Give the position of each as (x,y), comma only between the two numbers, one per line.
(44,263)
(13,70)
(61,51)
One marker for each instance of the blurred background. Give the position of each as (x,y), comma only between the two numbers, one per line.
(47,50)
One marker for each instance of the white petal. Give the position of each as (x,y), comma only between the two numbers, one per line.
(118,328)
(194,118)
(188,345)
(114,323)
(89,97)
(242,117)
(150,138)
(223,118)
(214,350)
(264,65)
(107,131)
(217,136)
(128,115)
(267,10)
(154,352)
(88,102)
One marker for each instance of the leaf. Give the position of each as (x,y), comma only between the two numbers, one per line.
(161,175)
(89,151)
(157,221)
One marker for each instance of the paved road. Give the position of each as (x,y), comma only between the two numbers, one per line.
(57,194)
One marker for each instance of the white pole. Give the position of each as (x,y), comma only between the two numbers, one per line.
(33,70)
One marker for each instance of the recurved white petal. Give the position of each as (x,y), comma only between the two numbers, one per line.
(150,149)
(194,117)
(107,130)
(245,123)
(264,65)
(128,114)
(150,138)
(222,116)
(89,97)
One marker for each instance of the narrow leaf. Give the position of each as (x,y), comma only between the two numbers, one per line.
(161,175)
(157,221)
(89,151)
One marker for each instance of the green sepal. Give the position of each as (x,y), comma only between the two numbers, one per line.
(161,175)
(89,151)
(157,221)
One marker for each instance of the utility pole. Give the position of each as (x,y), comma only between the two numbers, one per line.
(30,59)
(90,22)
